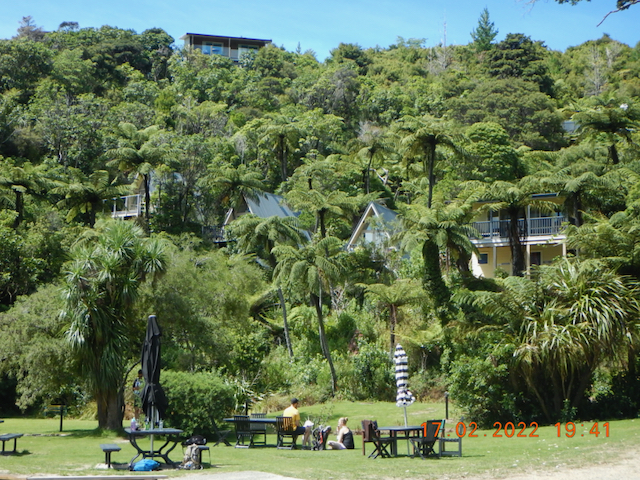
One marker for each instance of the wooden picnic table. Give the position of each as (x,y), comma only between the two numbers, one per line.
(401,433)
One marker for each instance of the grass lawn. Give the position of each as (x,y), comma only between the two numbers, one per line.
(76,451)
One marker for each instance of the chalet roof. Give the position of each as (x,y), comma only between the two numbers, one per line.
(267,205)
(224,37)
(386,215)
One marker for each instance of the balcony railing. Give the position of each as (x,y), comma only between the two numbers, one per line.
(215,233)
(535,227)
(127,206)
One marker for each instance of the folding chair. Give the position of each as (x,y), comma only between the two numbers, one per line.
(372,435)
(243,431)
(285,430)
(221,435)
(259,429)
(424,444)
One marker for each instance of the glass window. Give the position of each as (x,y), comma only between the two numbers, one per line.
(209,48)
(483,258)
(246,48)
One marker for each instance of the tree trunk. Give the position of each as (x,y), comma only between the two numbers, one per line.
(19,209)
(431,156)
(432,280)
(283,157)
(321,223)
(147,196)
(613,154)
(110,409)
(518,263)
(393,317)
(287,339)
(315,301)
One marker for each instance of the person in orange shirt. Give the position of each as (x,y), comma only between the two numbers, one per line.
(292,411)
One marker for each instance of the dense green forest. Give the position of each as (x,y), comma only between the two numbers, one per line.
(88,115)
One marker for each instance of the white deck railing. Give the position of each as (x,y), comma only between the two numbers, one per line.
(535,227)
(127,206)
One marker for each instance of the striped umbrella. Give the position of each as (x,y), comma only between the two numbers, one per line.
(404,397)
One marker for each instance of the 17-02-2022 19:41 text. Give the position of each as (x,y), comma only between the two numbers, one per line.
(519,430)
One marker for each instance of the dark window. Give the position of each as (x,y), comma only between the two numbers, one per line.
(536,258)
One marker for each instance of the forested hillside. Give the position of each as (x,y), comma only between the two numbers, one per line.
(88,115)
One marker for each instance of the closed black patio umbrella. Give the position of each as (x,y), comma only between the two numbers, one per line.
(154,401)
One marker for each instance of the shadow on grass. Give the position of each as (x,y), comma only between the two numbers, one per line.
(85,433)
(16,454)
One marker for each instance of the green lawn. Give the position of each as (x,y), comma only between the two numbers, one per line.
(76,451)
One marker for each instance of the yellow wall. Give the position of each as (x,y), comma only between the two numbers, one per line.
(503,258)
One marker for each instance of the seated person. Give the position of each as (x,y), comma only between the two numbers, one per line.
(345,436)
(292,411)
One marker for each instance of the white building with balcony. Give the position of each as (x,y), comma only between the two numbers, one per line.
(541,234)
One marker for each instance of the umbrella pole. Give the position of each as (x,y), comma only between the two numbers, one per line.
(406,424)
(153,414)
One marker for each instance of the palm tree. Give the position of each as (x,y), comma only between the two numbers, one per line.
(21,180)
(446,229)
(375,145)
(513,198)
(609,118)
(139,153)
(335,203)
(85,195)
(402,292)
(575,184)
(260,236)
(311,268)
(563,323)
(235,183)
(101,286)
(448,226)
(282,136)
(422,137)
(588,318)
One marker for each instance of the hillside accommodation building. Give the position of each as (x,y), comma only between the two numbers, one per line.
(376,226)
(542,235)
(230,47)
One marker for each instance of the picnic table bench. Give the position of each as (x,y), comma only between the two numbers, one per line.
(9,436)
(107,448)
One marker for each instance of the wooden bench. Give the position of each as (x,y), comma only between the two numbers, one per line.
(107,448)
(10,436)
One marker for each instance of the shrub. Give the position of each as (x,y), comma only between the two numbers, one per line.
(373,374)
(480,388)
(195,400)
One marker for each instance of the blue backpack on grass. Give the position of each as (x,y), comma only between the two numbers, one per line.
(146,465)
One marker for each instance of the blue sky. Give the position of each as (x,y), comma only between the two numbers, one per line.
(321,26)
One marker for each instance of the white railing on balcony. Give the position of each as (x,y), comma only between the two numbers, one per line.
(127,206)
(535,227)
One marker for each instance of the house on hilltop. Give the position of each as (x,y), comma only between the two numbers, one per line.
(230,47)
